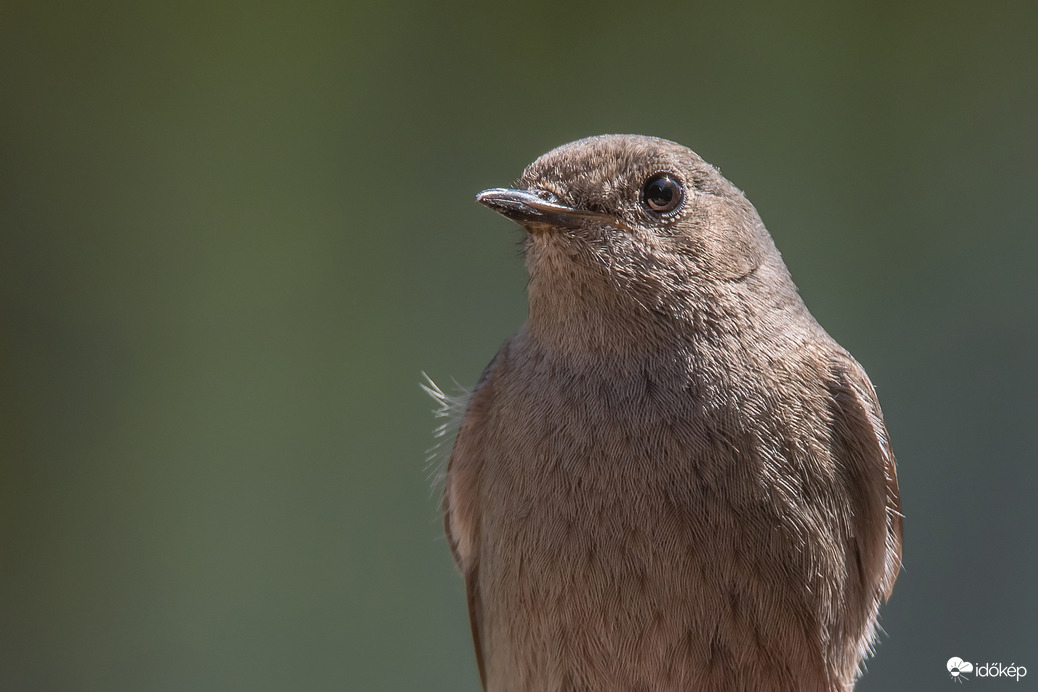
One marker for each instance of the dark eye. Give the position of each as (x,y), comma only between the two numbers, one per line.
(662,193)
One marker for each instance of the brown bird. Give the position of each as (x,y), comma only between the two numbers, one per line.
(671,478)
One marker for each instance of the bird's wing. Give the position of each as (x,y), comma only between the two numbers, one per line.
(461,499)
(865,455)
(469,567)
(476,622)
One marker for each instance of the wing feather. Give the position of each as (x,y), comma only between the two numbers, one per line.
(461,508)
(869,459)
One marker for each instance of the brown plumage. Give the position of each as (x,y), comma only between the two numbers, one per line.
(671,478)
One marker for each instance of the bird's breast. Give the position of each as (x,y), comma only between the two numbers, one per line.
(623,517)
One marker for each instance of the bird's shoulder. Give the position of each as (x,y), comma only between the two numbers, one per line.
(461,496)
(463,467)
(865,454)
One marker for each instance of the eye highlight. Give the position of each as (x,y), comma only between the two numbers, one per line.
(662,193)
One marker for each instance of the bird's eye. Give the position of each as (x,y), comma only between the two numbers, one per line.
(662,193)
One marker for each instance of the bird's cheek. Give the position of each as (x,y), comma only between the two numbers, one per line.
(732,259)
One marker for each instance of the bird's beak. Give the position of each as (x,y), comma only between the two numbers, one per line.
(531,210)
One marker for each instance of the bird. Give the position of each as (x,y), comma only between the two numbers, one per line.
(671,477)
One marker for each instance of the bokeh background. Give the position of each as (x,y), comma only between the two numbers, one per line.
(233,235)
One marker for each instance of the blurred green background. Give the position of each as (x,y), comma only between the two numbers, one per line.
(232,235)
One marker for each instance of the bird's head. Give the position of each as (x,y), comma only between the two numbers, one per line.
(633,224)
